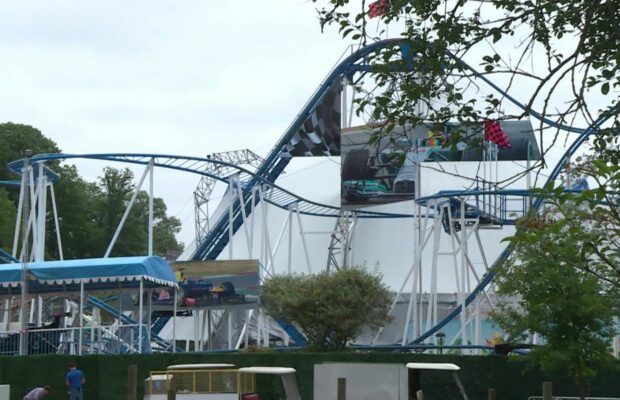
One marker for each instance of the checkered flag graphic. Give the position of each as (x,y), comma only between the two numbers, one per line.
(494,133)
(319,135)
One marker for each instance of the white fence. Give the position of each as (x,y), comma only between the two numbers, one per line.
(111,339)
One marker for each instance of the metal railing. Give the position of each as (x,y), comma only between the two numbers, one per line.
(97,339)
(203,381)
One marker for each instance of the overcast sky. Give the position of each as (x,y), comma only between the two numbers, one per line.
(174,77)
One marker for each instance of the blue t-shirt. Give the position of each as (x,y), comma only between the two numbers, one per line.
(75,377)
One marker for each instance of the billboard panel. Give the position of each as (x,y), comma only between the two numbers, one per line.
(213,283)
(385,171)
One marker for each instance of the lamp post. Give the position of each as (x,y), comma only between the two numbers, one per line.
(23,312)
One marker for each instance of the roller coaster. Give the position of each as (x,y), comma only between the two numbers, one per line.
(454,210)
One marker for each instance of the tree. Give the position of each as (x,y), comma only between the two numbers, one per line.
(7,220)
(15,139)
(116,187)
(78,205)
(165,229)
(116,190)
(561,54)
(88,212)
(332,309)
(567,294)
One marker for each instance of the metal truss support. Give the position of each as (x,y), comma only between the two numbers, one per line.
(204,189)
(462,229)
(339,252)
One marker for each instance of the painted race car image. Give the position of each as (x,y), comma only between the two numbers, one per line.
(200,292)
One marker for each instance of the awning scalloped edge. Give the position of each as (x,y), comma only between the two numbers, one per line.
(95,279)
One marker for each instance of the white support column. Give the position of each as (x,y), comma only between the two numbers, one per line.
(344,103)
(151,186)
(303,239)
(481,249)
(431,310)
(119,228)
(290,241)
(174,320)
(265,229)
(412,308)
(31,222)
(120,304)
(463,263)
(350,238)
(197,314)
(246,338)
(246,228)
(272,256)
(231,216)
(252,220)
(209,329)
(42,205)
(23,337)
(412,304)
(472,268)
(478,325)
(81,317)
(149,318)
(453,247)
(56,223)
(243,333)
(140,314)
(18,220)
(6,315)
(39,300)
(267,327)
(259,328)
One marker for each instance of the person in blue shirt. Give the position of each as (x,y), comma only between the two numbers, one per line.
(75,381)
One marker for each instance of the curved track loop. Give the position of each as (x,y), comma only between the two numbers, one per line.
(273,165)
(274,194)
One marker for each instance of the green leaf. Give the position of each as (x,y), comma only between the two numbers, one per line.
(605,88)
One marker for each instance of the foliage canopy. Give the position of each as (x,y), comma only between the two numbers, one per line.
(560,56)
(332,309)
(563,271)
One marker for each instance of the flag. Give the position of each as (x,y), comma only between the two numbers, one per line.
(378,8)
(494,133)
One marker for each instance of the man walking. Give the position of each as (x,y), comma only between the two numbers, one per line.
(38,393)
(75,381)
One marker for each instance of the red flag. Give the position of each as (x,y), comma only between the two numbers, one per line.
(378,8)
(494,133)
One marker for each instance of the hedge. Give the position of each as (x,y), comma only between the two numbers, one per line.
(107,374)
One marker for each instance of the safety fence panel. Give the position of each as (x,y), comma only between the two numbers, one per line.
(110,339)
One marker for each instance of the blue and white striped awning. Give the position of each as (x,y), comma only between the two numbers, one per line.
(95,273)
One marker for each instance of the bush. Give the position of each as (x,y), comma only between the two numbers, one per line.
(331,309)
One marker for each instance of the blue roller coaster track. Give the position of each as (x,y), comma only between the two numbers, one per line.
(273,165)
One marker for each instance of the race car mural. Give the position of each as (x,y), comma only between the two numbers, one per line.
(213,283)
